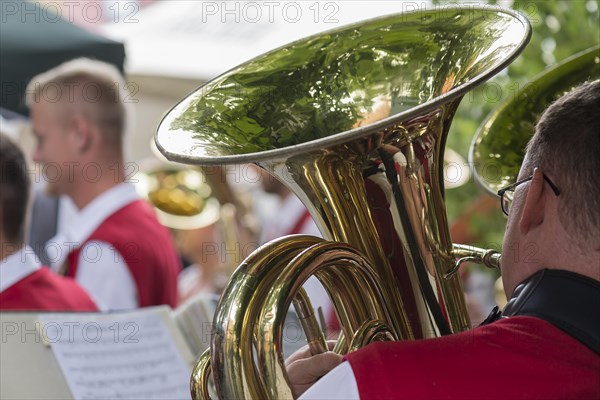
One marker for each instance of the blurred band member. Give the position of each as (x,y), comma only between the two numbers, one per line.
(112,244)
(24,284)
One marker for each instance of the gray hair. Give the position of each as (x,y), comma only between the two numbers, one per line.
(566,145)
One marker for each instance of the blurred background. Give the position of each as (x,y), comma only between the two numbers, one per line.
(168,48)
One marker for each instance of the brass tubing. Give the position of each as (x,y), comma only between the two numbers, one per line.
(237,311)
(341,346)
(200,375)
(371,331)
(346,287)
(338,197)
(320,137)
(488,257)
(314,336)
(336,259)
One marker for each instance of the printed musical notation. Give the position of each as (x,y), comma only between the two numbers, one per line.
(114,356)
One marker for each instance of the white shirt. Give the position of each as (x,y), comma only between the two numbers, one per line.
(339,383)
(101,270)
(289,214)
(17,266)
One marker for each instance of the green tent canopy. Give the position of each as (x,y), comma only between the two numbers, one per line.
(32,40)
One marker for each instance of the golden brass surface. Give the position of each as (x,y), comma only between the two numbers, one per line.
(234,371)
(358,134)
(314,335)
(498,147)
(463,253)
(352,284)
(182,198)
(199,380)
(371,331)
(341,345)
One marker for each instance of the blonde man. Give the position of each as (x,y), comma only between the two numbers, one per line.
(112,243)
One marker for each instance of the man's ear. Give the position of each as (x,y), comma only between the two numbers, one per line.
(82,129)
(534,204)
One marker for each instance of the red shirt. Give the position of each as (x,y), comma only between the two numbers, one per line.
(514,358)
(44,290)
(147,249)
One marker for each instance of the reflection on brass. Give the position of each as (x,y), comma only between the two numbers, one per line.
(352,284)
(314,335)
(199,381)
(462,253)
(236,319)
(354,122)
(371,331)
(341,346)
(498,148)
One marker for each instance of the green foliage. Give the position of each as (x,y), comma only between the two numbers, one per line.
(331,83)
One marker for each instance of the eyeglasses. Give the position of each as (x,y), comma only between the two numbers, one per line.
(506,194)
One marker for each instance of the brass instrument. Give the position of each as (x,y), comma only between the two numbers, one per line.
(354,122)
(498,147)
(181,197)
(184,201)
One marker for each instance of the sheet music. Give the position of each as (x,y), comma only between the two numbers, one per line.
(112,356)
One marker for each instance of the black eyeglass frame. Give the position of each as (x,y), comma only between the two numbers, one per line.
(513,186)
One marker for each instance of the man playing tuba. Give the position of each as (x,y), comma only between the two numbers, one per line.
(548,335)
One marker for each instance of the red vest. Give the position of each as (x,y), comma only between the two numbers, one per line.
(44,290)
(299,226)
(147,249)
(514,358)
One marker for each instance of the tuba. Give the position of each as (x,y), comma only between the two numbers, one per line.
(354,121)
(509,127)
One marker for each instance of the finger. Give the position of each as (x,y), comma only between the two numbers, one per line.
(305,352)
(300,354)
(317,366)
(303,373)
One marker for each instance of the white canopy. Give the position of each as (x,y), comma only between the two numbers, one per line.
(202,39)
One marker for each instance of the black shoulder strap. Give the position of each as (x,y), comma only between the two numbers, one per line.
(567,300)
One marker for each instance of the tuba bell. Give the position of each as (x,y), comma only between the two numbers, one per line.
(507,130)
(354,121)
